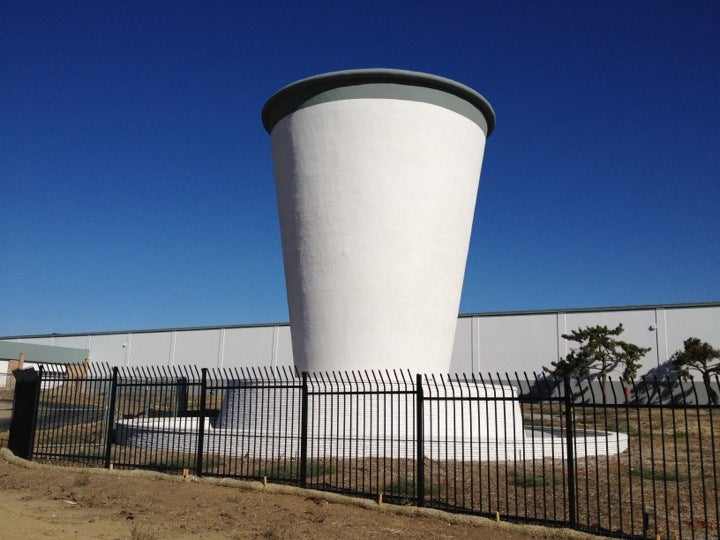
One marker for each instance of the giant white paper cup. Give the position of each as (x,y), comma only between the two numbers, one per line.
(377,174)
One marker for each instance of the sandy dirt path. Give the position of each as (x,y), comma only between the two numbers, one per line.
(42,501)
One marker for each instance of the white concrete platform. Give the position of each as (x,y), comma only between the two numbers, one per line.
(474,429)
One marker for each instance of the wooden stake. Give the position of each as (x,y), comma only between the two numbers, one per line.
(380,498)
(186,472)
(264,480)
(497,517)
(111,466)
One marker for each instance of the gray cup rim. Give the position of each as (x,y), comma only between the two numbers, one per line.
(378,82)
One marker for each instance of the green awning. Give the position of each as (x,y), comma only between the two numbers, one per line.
(42,354)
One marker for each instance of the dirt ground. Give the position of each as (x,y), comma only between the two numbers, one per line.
(40,501)
(44,501)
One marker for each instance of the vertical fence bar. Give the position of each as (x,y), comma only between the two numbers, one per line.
(662,472)
(375,434)
(545,397)
(303,430)
(109,435)
(329,424)
(201,424)
(432,436)
(420,435)
(702,460)
(570,451)
(714,462)
(676,455)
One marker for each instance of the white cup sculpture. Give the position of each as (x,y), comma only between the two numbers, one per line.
(377,173)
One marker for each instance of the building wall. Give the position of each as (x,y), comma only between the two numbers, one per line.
(484,342)
(501,342)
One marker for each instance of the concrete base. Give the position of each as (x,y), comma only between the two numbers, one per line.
(180,435)
(462,423)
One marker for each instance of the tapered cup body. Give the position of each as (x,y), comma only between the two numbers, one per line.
(377,174)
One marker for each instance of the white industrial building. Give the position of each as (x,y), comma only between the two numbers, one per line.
(484,342)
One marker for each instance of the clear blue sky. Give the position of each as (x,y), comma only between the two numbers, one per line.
(136,184)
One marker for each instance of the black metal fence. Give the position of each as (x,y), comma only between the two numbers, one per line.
(633,460)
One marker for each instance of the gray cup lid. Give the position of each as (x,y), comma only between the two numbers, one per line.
(379,83)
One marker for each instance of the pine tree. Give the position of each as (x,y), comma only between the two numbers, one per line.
(598,353)
(700,356)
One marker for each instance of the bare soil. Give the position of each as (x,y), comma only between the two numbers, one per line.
(67,502)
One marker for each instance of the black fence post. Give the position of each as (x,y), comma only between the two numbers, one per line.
(569,433)
(110,431)
(419,442)
(21,440)
(303,430)
(201,424)
(182,396)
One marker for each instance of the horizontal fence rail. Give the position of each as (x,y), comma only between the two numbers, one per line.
(628,459)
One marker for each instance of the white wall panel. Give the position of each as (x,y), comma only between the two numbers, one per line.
(75,342)
(284,356)
(150,349)
(110,348)
(462,357)
(245,347)
(517,343)
(199,348)
(682,323)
